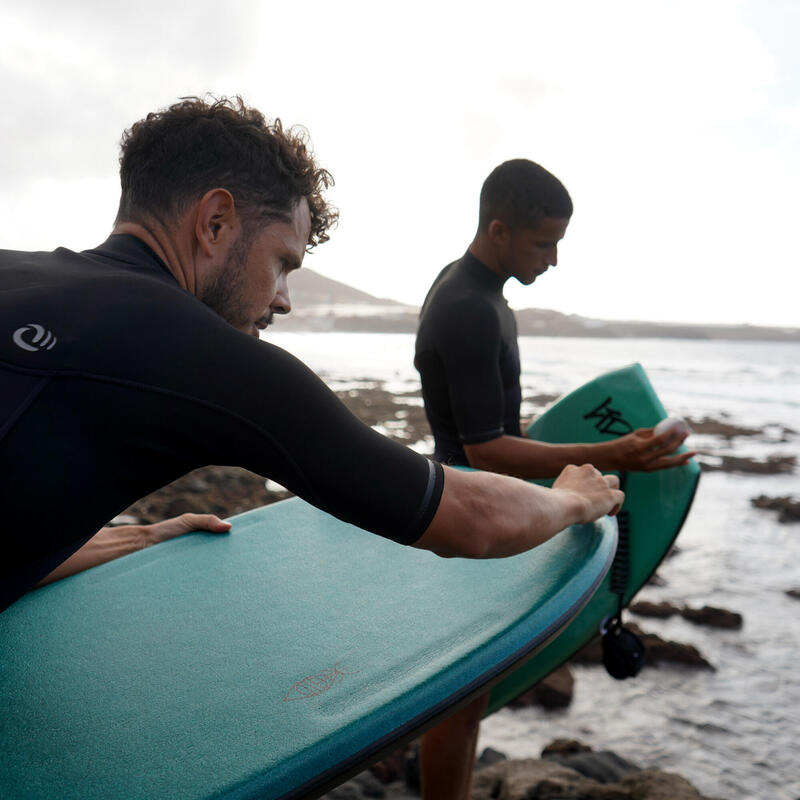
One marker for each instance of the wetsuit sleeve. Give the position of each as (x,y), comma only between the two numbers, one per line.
(468,343)
(286,424)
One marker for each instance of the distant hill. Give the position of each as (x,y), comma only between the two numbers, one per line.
(323,304)
(309,288)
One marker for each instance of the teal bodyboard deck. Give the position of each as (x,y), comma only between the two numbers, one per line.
(656,505)
(275,661)
(271,662)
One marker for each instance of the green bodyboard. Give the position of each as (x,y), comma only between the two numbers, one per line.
(277,660)
(272,662)
(656,504)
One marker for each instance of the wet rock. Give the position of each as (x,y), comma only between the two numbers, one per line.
(602,766)
(718,427)
(773,465)
(788,507)
(518,779)
(656,580)
(657,651)
(713,617)
(554,691)
(227,491)
(347,791)
(394,767)
(369,785)
(652,784)
(403,421)
(707,615)
(646,608)
(532,779)
(542,399)
(490,756)
(565,747)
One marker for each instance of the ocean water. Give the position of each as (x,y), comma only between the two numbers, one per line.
(733,732)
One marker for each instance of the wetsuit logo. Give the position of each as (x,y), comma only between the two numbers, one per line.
(34,337)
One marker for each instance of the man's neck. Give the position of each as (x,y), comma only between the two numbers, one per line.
(167,245)
(483,251)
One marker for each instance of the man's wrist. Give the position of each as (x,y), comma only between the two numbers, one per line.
(574,506)
(603,456)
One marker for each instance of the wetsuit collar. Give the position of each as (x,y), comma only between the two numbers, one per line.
(133,251)
(486,277)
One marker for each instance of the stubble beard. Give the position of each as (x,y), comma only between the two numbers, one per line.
(225,293)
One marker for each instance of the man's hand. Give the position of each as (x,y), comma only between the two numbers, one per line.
(486,515)
(110,543)
(595,493)
(644,451)
(185,523)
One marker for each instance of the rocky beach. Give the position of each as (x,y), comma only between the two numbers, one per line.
(565,769)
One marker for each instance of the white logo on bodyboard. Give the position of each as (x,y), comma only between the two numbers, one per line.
(34,337)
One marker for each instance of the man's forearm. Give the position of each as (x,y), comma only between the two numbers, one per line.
(484,515)
(640,450)
(106,545)
(528,458)
(110,543)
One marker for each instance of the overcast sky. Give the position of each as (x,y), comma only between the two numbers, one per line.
(674,125)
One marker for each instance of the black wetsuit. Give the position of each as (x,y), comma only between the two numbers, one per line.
(115,381)
(468,359)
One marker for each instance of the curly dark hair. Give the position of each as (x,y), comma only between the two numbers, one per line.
(172,157)
(521,193)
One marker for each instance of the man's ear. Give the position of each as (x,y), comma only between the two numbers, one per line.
(217,222)
(498,232)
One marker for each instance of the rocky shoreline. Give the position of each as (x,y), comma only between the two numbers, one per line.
(227,491)
(566,769)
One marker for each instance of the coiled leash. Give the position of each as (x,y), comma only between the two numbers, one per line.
(623,650)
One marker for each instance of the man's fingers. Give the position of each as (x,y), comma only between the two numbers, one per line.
(614,511)
(666,462)
(204,522)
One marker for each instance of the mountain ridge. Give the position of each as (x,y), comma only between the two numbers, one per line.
(320,303)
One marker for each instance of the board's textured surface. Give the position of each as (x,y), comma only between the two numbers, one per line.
(244,665)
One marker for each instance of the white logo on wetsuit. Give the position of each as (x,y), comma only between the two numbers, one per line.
(41,339)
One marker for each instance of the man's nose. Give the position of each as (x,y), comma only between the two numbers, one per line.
(282,303)
(552,259)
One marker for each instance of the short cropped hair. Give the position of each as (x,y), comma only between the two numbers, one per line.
(521,193)
(172,157)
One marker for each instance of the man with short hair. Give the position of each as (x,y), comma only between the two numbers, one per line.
(128,365)
(468,359)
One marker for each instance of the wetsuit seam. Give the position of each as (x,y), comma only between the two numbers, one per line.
(24,405)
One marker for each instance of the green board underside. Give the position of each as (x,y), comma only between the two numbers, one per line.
(656,504)
(271,662)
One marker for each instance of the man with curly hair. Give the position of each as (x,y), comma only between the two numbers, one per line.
(126,366)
